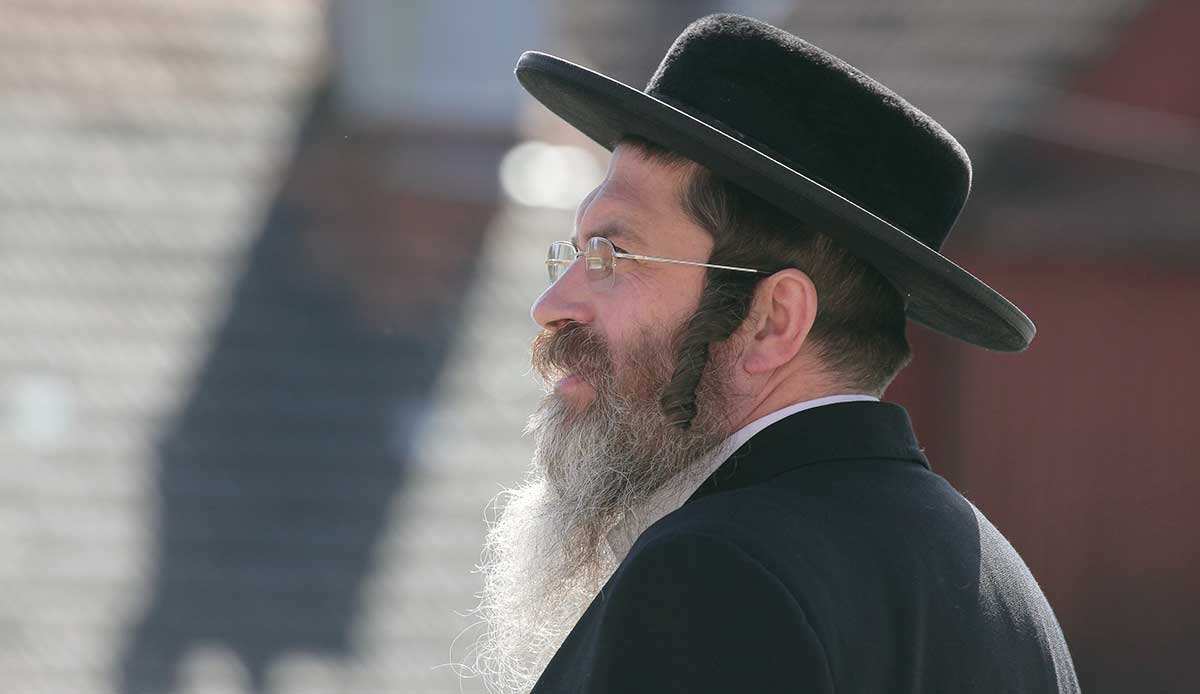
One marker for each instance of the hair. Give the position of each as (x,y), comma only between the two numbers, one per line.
(858,335)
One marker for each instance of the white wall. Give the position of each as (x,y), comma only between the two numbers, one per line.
(444,64)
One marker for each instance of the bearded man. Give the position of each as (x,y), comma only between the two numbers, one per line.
(719,500)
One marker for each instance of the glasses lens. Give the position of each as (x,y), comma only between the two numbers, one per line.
(599,261)
(560,257)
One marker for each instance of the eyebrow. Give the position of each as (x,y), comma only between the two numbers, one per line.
(614,230)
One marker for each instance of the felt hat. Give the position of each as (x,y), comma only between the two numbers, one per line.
(812,135)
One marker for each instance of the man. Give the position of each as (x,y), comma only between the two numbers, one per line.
(719,501)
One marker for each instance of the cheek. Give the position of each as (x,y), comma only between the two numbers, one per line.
(647,352)
(647,309)
(654,302)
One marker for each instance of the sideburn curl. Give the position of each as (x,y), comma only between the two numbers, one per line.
(724,303)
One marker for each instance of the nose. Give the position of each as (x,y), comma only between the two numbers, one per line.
(568,299)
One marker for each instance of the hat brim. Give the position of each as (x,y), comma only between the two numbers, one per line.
(938,293)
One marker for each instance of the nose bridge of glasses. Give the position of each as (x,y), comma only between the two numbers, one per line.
(561,256)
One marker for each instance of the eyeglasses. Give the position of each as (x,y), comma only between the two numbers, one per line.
(601,256)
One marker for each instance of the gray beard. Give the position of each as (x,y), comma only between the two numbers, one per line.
(546,556)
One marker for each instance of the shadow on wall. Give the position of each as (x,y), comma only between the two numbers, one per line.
(277,476)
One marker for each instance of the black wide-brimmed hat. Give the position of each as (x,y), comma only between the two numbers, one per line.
(812,135)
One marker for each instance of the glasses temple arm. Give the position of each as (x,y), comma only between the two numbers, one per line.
(634,256)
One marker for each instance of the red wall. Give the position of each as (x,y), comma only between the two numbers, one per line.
(1085,451)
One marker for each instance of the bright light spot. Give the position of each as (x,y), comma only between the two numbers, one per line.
(538,174)
(213,668)
(39,410)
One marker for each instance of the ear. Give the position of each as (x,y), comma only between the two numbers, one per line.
(781,316)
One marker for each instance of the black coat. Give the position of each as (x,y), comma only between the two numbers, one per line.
(823,556)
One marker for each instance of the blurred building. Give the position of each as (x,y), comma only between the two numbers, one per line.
(141,144)
(264,277)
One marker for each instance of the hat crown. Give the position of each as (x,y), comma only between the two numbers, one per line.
(820,116)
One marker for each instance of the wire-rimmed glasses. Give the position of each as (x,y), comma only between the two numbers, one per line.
(601,257)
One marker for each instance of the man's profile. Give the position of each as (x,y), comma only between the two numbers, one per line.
(719,501)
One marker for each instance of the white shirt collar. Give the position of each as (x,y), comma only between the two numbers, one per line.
(681,487)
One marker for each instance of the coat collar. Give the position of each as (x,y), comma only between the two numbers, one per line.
(843,431)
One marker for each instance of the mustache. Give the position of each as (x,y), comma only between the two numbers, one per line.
(572,349)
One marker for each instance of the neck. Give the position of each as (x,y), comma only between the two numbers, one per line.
(781,390)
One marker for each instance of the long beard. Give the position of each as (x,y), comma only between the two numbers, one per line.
(546,556)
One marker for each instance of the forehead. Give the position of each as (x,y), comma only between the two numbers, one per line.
(638,198)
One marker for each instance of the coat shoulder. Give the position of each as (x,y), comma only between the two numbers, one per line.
(690,610)
(875,549)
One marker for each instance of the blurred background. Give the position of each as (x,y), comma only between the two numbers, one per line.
(265,271)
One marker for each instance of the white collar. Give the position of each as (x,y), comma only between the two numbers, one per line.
(681,487)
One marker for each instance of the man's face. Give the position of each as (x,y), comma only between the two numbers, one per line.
(637,208)
(603,446)
(607,354)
